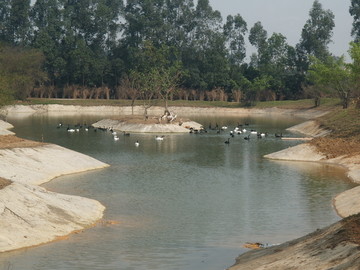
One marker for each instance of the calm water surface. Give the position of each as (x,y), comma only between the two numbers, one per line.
(189,202)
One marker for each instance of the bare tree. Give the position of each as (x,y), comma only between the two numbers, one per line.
(237,95)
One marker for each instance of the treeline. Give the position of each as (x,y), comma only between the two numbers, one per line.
(114,49)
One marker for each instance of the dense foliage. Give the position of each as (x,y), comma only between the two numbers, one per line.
(166,49)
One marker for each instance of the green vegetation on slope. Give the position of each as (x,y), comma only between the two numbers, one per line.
(326,103)
(345,123)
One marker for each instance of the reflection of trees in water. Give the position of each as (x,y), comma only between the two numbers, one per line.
(318,185)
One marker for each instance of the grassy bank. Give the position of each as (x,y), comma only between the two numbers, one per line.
(344,123)
(286,104)
(344,140)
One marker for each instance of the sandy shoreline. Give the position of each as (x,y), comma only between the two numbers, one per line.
(29,164)
(24,110)
(30,215)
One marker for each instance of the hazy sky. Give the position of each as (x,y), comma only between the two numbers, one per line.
(289,16)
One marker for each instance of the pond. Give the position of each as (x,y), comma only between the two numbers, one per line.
(187,202)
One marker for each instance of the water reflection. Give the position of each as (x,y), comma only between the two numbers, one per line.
(188,202)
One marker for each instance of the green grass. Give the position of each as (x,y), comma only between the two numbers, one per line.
(286,104)
(299,104)
(345,123)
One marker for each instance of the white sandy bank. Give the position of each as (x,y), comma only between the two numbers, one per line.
(4,126)
(56,109)
(37,165)
(309,128)
(31,215)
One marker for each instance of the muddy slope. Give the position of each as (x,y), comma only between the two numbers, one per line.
(336,247)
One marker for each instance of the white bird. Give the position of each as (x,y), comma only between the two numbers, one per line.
(159,138)
(116,138)
(137,143)
(70,130)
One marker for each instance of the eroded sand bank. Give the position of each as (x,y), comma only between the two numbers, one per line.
(31,215)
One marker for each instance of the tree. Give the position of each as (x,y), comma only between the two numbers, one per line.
(21,71)
(354,53)
(132,84)
(334,75)
(18,24)
(258,38)
(234,31)
(147,87)
(47,20)
(5,7)
(168,79)
(354,11)
(317,32)
(159,73)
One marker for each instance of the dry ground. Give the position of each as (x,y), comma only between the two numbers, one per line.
(335,147)
(4,183)
(11,141)
(344,139)
(334,247)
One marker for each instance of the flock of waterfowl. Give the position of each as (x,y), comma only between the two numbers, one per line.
(240,129)
(84,127)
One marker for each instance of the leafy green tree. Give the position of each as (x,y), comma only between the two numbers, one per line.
(317,32)
(333,76)
(159,73)
(355,12)
(21,71)
(47,20)
(5,7)
(234,31)
(257,88)
(15,23)
(354,53)
(258,38)
(277,60)
(179,22)
(144,20)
